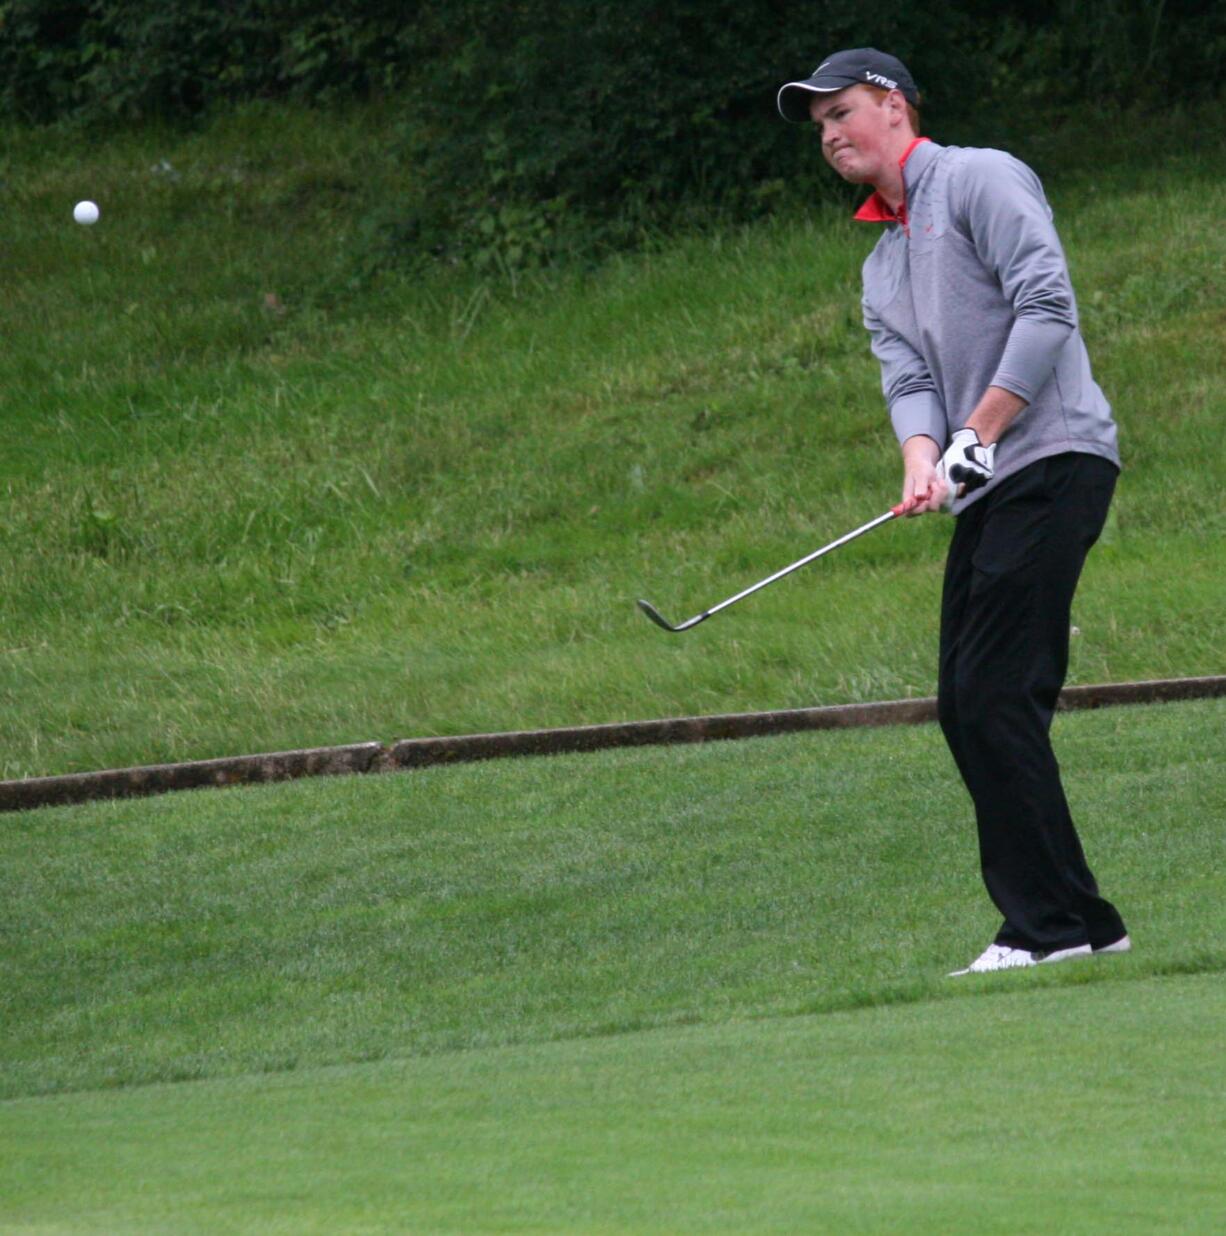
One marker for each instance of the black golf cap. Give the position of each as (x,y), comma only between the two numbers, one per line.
(861,66)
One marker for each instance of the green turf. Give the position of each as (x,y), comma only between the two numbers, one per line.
(249,502)
(290,926)
(696,988)
(375,509)
(1069,1109)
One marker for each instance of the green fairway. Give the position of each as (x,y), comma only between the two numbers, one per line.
(671,989)
(371,509)
(1070,1109)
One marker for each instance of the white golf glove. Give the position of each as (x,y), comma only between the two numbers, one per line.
(967,465)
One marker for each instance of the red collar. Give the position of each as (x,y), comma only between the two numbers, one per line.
(877,209)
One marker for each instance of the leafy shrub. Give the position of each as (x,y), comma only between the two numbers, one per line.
(538,127)
(95,60)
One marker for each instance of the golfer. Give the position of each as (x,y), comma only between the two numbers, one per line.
(971,313)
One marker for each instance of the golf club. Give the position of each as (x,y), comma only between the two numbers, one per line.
(660,621)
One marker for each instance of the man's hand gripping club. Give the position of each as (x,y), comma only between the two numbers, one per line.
(933,481)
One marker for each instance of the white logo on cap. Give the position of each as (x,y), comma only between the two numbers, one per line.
(881,81)
(819,68)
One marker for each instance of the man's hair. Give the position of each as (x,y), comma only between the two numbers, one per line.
(912,109)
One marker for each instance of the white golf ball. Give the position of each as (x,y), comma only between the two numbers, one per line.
(85,212)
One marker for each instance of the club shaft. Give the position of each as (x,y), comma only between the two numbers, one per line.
(795,566)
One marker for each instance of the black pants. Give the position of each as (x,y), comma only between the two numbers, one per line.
(1013,566)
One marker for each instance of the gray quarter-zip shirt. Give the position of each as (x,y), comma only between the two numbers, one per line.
(973,291)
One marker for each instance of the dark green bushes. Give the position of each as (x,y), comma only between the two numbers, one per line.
(541,126)
(96,60)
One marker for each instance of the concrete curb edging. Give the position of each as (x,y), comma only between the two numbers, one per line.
(413,753)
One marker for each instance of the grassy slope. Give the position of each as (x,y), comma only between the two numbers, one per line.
(722,895)
(226,527)
(427,506)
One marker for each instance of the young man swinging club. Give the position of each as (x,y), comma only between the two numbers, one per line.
(971,314)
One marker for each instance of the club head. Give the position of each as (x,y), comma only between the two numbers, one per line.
(655,615)
(660,621)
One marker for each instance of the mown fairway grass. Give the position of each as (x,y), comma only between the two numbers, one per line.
(1087,1110)
(247,503)
(692,989)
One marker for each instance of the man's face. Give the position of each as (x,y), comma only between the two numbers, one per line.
(858,133)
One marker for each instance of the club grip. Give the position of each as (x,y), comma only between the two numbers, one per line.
(910,503)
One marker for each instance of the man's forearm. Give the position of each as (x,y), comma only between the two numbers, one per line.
(994,413)
(920,449)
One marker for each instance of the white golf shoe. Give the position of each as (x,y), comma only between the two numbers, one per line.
(1122,945)
(1001,957)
